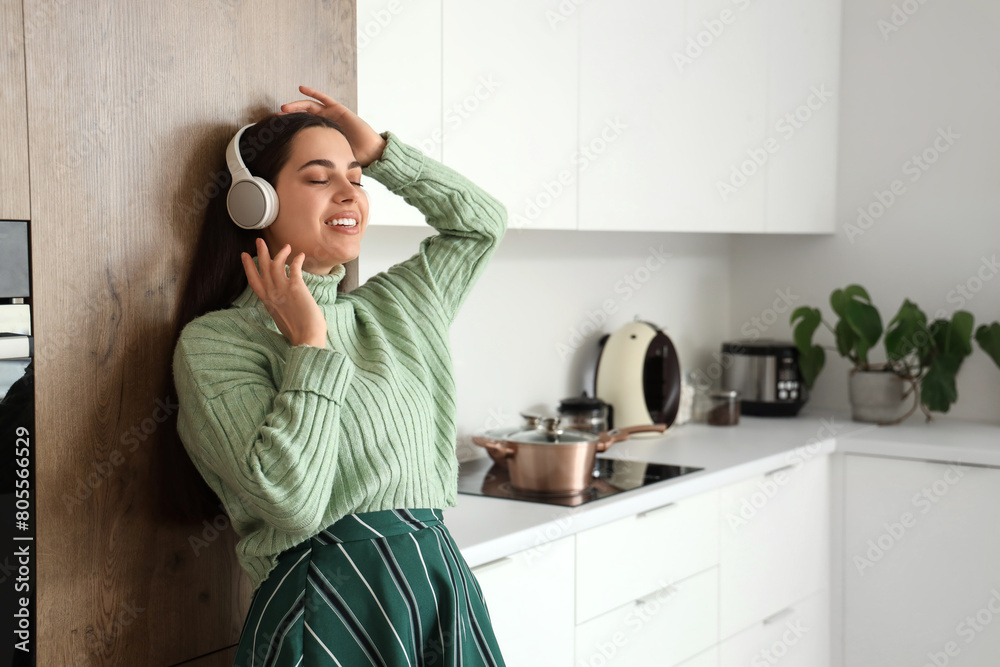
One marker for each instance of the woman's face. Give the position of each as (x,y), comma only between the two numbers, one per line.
(318,187)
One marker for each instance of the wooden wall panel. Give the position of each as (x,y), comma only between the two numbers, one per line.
(13,118)
(130,106)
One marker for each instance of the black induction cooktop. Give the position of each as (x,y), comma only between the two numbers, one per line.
(481,477)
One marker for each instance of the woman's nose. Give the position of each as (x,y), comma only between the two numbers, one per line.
(343,189)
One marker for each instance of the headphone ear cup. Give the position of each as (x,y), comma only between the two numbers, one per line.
(252,203)
(271,199)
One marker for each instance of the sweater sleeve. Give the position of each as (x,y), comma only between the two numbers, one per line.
(271,449)
(470,224)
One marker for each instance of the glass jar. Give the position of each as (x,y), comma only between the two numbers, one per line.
(583,413)
(724,408)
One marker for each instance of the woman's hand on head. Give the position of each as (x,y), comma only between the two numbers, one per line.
(366,143)
(286,297)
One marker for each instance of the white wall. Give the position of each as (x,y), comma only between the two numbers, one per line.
(526,335)
(939,70)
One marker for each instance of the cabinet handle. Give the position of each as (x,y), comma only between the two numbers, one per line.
(777,470)
(642,515)
(668,590)
(492,564)
(781,614)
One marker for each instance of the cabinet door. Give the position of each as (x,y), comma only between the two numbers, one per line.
(661,629)
(774,546)
(399,87)
(921,563)
(530,599)
(632,557)
(803,97)
(797,636)
(13,116)
(510,106)
(685,92)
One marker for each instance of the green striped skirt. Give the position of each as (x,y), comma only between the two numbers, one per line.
(387,588)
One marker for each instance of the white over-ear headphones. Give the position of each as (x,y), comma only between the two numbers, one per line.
(252,201)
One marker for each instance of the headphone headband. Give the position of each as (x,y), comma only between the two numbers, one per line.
(233,158)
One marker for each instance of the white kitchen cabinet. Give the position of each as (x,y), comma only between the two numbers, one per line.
(399,87)
(510,106)
(700,88)
(632,177)
(921,563)
(803,87)
(530,599)
(661,629)
(774,547)
(689,111)
(797,636)
(633,557)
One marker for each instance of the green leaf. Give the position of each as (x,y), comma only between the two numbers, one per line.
(955,337)
(810,319)
(988,338)
(811,363)
(938,391)
(864,320)
(811,357)
(907,332)
(846,338)
(960,340)
(838,301)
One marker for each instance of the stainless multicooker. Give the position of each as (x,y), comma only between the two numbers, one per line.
(766,373)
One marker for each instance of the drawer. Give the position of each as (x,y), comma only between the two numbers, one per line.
(774,546)
(626,559)
(529,597)
(663,629)
(797,636)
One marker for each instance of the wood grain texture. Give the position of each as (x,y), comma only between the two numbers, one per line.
(130,107)
(14,201)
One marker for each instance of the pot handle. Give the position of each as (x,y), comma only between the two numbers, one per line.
(500,448)
(609,438)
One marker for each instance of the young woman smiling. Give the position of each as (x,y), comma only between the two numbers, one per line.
(323,422)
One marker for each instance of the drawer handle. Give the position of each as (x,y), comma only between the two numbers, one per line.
(777,470)
(642,515)
(666,591)
(492,564)
(781,614)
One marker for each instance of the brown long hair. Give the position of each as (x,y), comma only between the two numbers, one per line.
(215,279)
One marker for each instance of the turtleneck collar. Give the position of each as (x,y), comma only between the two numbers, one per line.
(322,287)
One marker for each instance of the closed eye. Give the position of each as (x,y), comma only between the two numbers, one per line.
(325,182)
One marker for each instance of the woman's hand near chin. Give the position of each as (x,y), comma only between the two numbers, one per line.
(366,143)
(287,298)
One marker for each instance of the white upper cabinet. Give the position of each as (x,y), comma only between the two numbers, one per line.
(681,115)
(683,82)
(510,106)
(399,87)
(702,88)
(803,95)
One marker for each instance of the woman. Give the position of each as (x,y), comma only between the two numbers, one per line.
(325,422)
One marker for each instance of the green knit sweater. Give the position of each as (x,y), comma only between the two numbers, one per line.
(292,438)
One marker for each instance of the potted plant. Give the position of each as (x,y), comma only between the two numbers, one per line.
(922,359)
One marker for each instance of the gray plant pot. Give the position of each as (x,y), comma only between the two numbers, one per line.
(876,396)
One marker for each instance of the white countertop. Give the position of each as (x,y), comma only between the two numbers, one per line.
(487,528)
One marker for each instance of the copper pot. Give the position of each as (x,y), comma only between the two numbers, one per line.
(552,460)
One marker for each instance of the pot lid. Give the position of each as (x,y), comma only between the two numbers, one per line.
(582,403)
(549,432)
